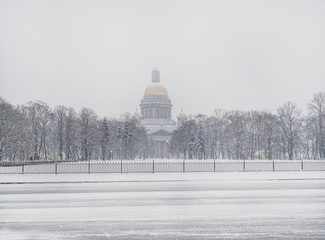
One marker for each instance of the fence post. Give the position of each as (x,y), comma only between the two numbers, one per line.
(153,166)
(184,166)
(121,167)
(302,164)
(244,165)
(214,164)
(56,168)
(89,167)
(273,166)
(22,168)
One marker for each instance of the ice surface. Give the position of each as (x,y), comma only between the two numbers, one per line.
(166,206)
(202,176)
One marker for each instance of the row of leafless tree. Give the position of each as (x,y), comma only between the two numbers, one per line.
(254,134)
(34,131)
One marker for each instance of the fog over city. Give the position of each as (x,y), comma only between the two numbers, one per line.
(162,119)
(246,55)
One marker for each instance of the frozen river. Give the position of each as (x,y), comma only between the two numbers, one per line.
(211,209)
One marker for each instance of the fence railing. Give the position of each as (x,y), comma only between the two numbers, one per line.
(156,166)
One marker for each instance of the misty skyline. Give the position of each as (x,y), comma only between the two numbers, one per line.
(235,55)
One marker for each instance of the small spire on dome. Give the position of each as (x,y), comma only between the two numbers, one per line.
(155,75)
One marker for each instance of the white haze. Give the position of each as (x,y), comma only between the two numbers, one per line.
(211,54)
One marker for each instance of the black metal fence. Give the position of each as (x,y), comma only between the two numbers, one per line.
(154,166)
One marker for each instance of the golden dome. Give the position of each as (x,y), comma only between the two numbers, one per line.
(155,88)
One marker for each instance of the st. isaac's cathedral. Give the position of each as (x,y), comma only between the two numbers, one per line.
(156,116)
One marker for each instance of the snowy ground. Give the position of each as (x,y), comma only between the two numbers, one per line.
(142,177)
(269,205)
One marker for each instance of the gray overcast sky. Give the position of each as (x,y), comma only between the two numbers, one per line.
(211,54)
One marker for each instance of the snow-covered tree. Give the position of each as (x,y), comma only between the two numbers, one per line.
(87,132)
(105,140)
(39,116)
(317,116)
(12,133)
(291,122)
(60,114)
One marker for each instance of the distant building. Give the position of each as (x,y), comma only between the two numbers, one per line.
(156,117)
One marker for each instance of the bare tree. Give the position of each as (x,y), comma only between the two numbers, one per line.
(60,113)
(236,133)
(183,140)
(88,132)
(38,114)
(270,130)
(317,112)
(105,140)
(290,120)
(71,135)
(11,130)
(219,130)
